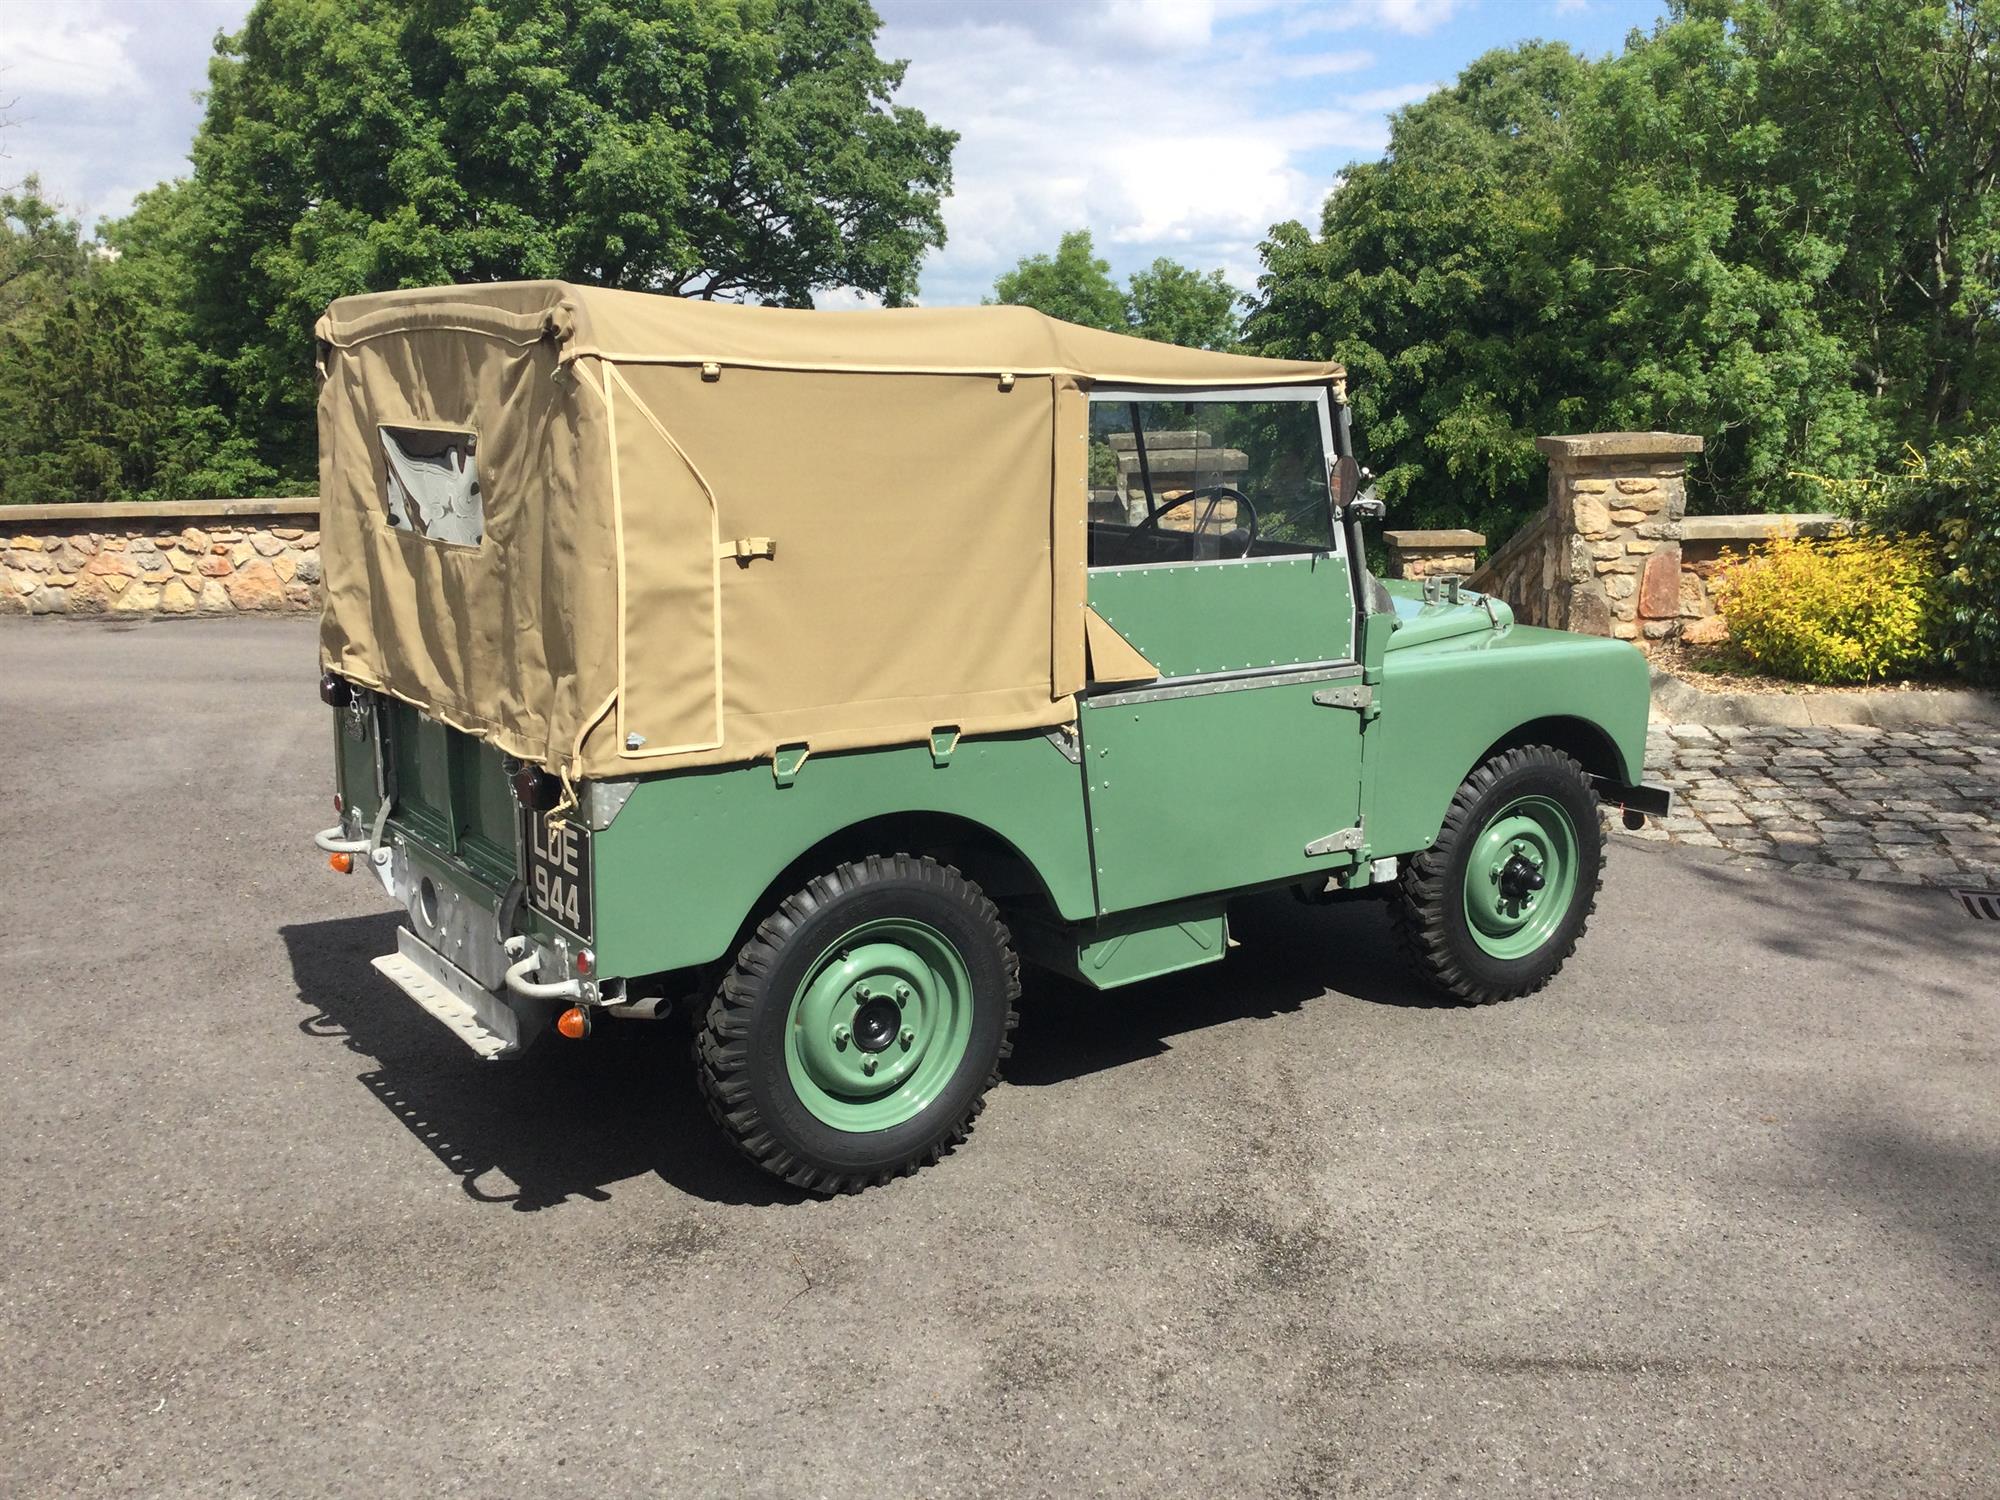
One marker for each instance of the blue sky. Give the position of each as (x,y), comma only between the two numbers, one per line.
(1169,127)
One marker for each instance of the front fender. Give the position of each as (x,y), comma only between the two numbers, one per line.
(1446,704)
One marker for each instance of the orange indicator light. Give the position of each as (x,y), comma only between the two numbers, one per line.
(574,1023)
(342,863)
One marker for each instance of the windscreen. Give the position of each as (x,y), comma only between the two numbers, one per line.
(1201,481)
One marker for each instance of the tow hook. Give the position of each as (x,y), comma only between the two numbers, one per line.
(340,849)
(526,962)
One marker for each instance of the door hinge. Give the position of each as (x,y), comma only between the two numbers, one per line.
(1355,695)
(1345,840)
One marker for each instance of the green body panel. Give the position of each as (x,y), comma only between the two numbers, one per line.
(1445,703)
(1187,792)
(1130,946)
(1192,618)
(693,852)
(1217,791)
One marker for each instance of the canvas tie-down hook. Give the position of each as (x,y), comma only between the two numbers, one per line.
(747,548)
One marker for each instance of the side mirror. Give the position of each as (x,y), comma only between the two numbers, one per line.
(1346,479)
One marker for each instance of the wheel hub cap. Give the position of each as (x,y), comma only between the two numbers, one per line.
(878,1025)
(1521,877)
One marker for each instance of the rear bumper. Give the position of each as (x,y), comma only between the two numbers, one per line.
(1647,798)
(496,1026)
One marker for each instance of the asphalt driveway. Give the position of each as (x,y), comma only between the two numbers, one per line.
(1717,1212)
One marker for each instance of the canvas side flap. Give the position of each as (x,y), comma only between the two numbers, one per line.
(1112,657)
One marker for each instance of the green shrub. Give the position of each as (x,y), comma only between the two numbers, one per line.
(1951,494)
(1856,609)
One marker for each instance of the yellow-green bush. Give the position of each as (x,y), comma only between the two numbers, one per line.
(1854,609)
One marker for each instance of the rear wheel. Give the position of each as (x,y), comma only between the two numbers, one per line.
(1495,907)
(858,1031)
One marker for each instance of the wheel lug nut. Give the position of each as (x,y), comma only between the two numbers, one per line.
(902,994)
(909,1036)
(840,1036)
(868,1065)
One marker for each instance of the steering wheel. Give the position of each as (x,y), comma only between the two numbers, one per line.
(1215,494)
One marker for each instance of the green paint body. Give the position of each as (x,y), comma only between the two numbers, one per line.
(1179,803)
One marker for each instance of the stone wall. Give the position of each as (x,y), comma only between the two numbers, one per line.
(1423,554)
(1605,557)
(207,557)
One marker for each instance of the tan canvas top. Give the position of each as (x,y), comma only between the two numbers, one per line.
(703,532)
(639,327)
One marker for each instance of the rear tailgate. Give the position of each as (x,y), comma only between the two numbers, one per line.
(452,793)
(453,806)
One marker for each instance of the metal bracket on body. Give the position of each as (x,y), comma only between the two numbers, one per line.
(785,762)
(1344,841)
(1063,737)
(1354,695)
(604,800)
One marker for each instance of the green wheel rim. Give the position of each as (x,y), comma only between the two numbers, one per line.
(879,1025)
(1521,878)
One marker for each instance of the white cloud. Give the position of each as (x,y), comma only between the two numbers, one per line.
(1407,17)
(1165,129)
(101,93)
(64,53)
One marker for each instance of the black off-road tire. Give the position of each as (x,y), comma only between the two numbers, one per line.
(1428,904)
(740,1052)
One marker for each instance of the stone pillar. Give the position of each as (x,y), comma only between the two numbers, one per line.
(1611,562)
(1420,554)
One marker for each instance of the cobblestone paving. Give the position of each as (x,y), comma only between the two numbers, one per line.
(1913,806)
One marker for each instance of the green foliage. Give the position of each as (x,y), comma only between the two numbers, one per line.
(1857,609)
(42,254)
(99,391)
(1073,284)
(1103,466)
(1176,304)
(1770,222)
(710,148)
(1951,494)
(1166,301)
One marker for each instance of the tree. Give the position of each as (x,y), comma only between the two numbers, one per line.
(1166,301)
(1771,222)
(1177,305)
(744,149)
(42,253)
(1073,284)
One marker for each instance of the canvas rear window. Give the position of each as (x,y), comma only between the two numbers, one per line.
(431,483)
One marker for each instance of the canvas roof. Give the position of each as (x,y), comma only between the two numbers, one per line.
(644,328)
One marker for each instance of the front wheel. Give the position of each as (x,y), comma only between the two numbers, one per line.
(857,1033)
(1494,908)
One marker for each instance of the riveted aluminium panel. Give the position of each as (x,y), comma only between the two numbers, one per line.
(1254,612)
(1216,791)
(691,853)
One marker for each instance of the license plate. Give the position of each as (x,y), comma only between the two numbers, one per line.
(559,872)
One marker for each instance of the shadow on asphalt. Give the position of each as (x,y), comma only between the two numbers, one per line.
(1292,955)
(1923,1186)
(560,1124)
(566,1122)
(1875,936)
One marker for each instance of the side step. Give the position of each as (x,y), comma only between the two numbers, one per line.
(475,1015)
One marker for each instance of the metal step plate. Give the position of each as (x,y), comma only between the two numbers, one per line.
(476,1016)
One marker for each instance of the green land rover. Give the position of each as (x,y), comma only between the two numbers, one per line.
(804,673)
